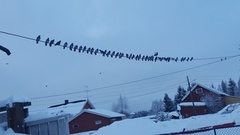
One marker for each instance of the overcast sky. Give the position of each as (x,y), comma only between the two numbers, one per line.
(186,28)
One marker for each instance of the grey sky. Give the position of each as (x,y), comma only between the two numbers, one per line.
(198,29)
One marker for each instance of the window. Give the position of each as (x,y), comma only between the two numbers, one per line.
(75,126)
(199,91)
(98,122)
(113,119)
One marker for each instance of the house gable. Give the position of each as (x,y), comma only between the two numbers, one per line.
(199,91)
(87,121)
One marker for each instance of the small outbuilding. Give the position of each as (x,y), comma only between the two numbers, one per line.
(93,119)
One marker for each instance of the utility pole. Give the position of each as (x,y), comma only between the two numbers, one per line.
(189,89)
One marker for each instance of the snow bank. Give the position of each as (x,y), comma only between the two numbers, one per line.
(230,115)
(8,132)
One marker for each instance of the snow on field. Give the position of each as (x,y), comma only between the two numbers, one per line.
(145,126)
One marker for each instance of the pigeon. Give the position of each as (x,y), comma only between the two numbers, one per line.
(38,39)
(80,49)
(65,45)
(51,43)
(96,51)
(75,48)
(58,43)
(71,46)
(47,41)
(156,54)
(84,49)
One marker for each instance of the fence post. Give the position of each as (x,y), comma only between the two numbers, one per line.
(214,131)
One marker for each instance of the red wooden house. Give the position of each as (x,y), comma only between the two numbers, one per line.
(92,119)
(193,103)
(84,116)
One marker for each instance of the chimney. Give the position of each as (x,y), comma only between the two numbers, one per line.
(66,102)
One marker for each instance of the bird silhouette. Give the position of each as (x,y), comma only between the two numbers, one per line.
(80,48)
(156,54)
(75,48)
(58,43)
(176,59)
(143,57)
(4,49)
(108,53)
(38,39)
(112,53)
(191,58)
(92,50)
(88,50)
(127,55)
(116,55)
(71,46)
(96,51)
(84,49)
(104,52)
(65,45)
(121,55)
(47,41)
(51,43)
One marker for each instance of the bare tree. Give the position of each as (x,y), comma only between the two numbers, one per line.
(121,106)
(213,102)
(158,106)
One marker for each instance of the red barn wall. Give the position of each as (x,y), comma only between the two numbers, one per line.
(86,122)
(188,111)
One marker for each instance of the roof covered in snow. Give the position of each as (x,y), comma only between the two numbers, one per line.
(191,104)
(207,88)
(103,112)
(72,109)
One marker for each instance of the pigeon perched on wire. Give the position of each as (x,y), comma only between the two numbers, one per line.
(58,43)
(65,45)
(4,49)
(47,41)
(51,43)
(71,46)
(38,39)
(75,48)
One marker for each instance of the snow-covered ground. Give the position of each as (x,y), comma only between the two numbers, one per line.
(145,126)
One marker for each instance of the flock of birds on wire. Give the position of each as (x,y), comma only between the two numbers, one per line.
(112,54)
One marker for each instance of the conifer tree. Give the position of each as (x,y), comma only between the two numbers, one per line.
(168,103)
(231,87)
(181,92)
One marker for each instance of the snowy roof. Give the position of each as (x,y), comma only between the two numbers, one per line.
(68,109)
(207,88)
(103,112)
(72,108)
(14,99)
(45,115)
(191,104)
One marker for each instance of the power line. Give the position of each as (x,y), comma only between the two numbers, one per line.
(140,80)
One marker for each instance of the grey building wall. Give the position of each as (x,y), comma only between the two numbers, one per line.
(51,126)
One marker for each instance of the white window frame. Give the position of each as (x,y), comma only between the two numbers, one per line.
(199,91)
(98,122)
(75,126)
